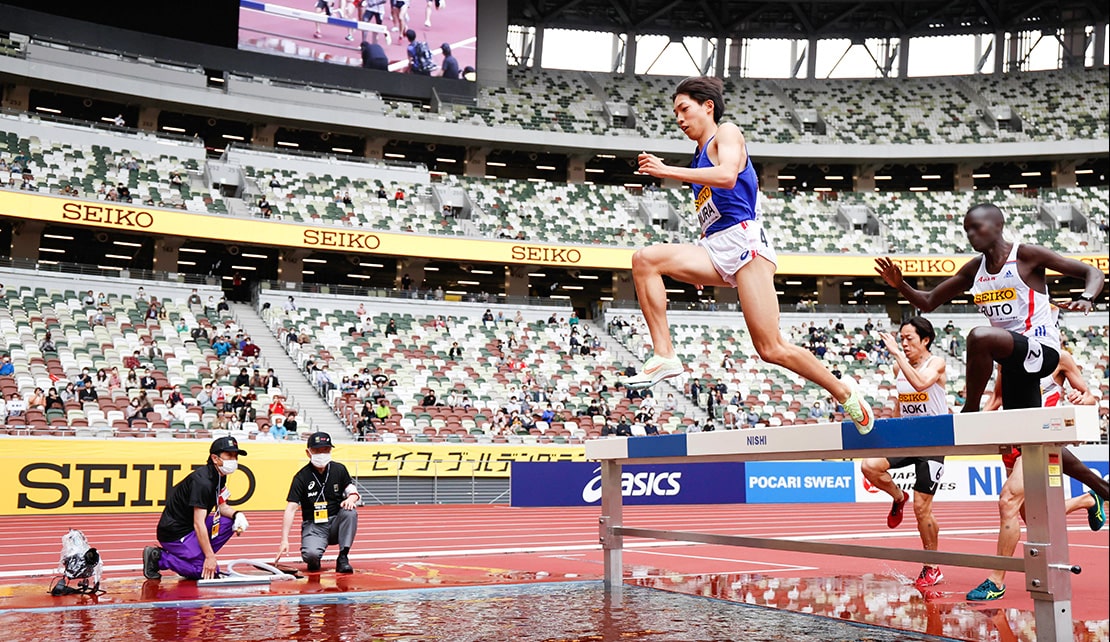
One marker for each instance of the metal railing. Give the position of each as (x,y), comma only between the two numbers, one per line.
(420,295)
(100,126)
(703,306)
(304,153)
(91,270)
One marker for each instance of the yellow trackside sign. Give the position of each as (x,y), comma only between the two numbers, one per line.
(70,476)
(137,219)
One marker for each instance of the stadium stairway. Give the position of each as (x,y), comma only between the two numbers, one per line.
(684,406)
(313,412)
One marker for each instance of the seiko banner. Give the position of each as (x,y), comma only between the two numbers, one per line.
(579,484)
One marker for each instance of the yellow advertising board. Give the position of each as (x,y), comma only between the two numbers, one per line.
(52,476)
(138,219)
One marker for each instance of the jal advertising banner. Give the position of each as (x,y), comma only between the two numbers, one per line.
(579,484)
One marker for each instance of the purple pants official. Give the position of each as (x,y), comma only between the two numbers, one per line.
(185,557)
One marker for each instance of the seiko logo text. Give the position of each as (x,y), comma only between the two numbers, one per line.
(545,254)
(346,240)
(995,296)
(913,397)
(117,216)
(926,266)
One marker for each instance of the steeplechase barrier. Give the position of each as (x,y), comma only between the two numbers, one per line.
(1041,432)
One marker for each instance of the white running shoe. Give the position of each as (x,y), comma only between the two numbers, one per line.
(860,411)
(655,370)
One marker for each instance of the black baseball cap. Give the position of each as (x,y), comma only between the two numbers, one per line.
(320,440)
(226,445)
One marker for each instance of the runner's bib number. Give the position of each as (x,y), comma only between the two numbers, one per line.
(708,214)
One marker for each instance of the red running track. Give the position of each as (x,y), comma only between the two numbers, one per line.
(420,545)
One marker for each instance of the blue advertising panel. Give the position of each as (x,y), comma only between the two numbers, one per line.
(1102,467)
(791,482)
(575,483)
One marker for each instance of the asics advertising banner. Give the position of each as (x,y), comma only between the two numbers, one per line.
(579,484)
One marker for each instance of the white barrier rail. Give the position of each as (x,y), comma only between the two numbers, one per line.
(1040,431)
(287,12)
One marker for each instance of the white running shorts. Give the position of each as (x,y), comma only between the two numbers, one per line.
(735,247)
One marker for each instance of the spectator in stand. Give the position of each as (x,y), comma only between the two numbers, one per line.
(624,429)
(54,401)
(366,418)
(87,393)
(16,406)
(270,380)
(138,409)
(47,344)
(175,397)
(289,305)
(264,433)
(242,404)
(242,380)
(391,328)
(290,423)
(193,301)
(455,352)
(429,399)
(222,347)
(251,350)
(148,382)
(114,382)
(204,397)
(154,352)
(89,299)
(382,412)
(324,380)
(132,381)
(6,367)
(277,408)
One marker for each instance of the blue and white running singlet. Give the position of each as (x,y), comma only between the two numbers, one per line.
(719,209)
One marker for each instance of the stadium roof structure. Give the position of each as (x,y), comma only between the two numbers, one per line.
(799,19)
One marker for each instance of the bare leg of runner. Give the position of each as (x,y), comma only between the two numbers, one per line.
(755,287)
(1010,502)
(985,347)
(684,262)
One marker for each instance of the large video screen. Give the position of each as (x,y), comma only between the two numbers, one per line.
(366,33)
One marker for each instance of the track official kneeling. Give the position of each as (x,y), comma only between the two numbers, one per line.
(197,520)
(327,498)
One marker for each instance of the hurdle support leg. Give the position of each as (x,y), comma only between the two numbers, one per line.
(1047,572)
(612,511)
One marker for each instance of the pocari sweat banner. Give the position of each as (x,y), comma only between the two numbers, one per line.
(579,483)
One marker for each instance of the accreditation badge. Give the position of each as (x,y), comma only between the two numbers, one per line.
(215,514)
(320,513)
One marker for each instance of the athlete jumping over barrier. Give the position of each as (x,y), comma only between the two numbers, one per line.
(1009,287)
(733,251)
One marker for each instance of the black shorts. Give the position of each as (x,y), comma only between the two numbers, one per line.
(323,4)
(927,470)
(1023,370)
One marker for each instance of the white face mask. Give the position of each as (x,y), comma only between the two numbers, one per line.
(227,466)
(320,460)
